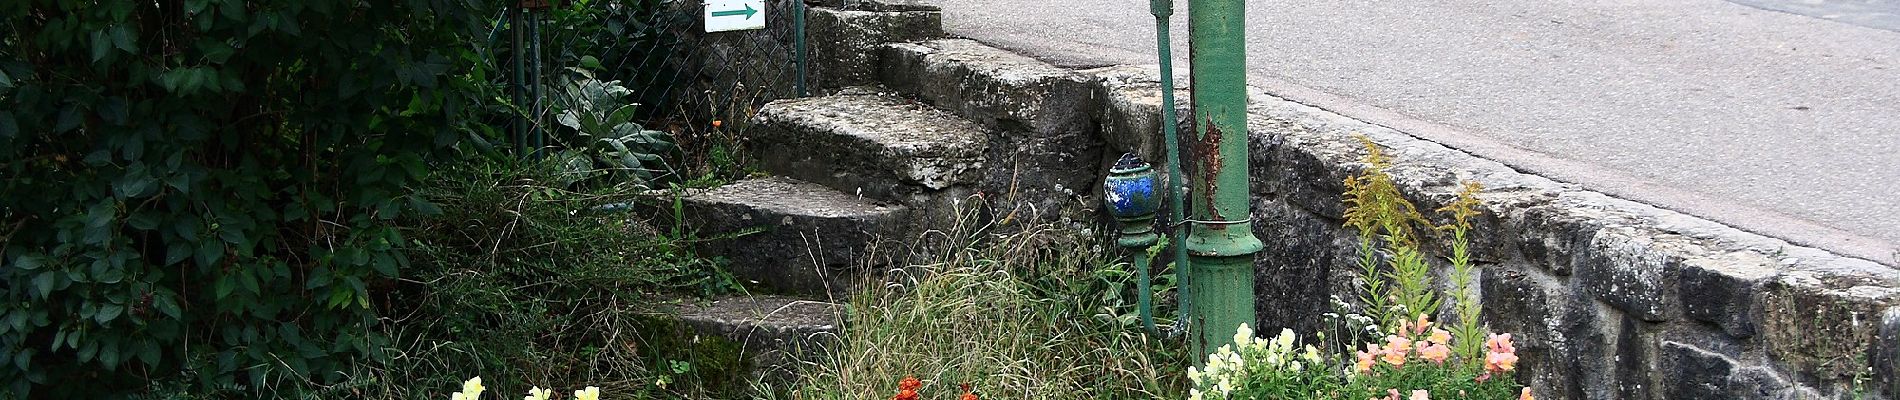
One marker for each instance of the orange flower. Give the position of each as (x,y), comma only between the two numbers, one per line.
(1418,328)
(1500,343)
(1525,395)
(1398,344)
(1434,352)
(907,388)
(1366,358)
(1439,336)
(967,395)
(1500,362)
(1397,359)
(717,123)
(1500,354)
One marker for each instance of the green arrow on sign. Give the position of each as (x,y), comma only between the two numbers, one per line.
(747,12)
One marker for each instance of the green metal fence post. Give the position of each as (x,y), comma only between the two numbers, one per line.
(1177,207)
(1221,243)
(798,38)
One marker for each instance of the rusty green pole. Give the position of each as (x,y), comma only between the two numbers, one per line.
(1221,244)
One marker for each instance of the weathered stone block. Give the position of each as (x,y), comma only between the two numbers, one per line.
(1694,373)
(844,43)
(1047,159)
(1129,109)
(810,239)
(1296,269)
(1519,302)
(992,85)
(870,143)
(776,333)
(1621,268)
(1722,293)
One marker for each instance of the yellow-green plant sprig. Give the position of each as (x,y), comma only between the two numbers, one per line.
(1384,220)
(1468,330)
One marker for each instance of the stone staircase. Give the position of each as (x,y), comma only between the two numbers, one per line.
(911,128)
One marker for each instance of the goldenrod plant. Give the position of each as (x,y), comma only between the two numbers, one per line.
(1384,220)
(1467,309)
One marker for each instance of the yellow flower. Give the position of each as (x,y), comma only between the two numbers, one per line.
(1440,336)
(537,393)
(471,390)
(591,393)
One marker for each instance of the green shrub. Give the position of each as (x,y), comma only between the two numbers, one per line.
(205,189)
(524,281)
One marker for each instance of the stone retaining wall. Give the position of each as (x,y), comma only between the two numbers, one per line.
(1609,299)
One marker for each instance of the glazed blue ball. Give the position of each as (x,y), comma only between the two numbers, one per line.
(1130,188)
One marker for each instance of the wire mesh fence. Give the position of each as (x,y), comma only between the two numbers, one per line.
(564,59)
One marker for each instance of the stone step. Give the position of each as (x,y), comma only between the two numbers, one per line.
(988,84)
(1047,159)
(773,332)
(794,236)
(870,142)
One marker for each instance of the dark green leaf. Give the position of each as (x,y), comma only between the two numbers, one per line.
(30,262)
(222,288)
(101,46)
(167,305)
(108,312)
(235,237)
(123,39)
(148,353)
(44,283)
(209,252)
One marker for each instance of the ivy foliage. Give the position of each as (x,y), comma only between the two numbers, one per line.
(207,187)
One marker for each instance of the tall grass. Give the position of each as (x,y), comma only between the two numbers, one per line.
(523,281)
(1036,314)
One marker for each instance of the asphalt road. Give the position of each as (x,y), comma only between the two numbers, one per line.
(1780,117)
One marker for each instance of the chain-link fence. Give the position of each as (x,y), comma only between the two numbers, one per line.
(564,59)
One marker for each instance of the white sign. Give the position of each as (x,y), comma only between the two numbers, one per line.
(734,15)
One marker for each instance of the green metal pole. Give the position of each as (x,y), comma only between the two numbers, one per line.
(1221,243)
(1163,9)
(798,39)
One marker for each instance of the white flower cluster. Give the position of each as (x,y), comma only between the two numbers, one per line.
(1248,359)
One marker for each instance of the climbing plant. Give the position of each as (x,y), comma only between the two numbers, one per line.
(204,189)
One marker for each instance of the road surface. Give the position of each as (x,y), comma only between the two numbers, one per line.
(1780,117)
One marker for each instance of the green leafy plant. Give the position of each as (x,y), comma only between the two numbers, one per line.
(1467,309)
(601,122)
(205,190)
